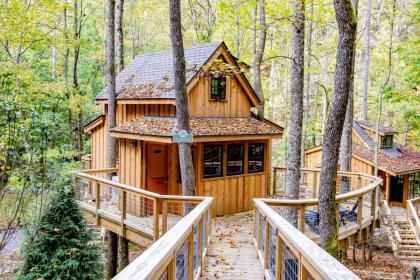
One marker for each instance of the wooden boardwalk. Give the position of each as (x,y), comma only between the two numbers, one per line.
(232,254)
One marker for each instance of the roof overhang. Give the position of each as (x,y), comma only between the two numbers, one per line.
(170,101)
(196,139)
(94,123)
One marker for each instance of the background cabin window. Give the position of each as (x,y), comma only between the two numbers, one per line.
(413,185)
(213,161)
(386,141)
(255,158)
(218,88)
(235,159)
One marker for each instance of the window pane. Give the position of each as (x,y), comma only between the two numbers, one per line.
(386,141)
(255,158)
(218,88)
(212,161)
(235,159)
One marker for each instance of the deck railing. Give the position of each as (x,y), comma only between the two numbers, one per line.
(287,253)
(134,213)
(412,214)
(357,209)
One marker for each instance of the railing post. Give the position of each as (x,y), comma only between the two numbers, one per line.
(314,183)
(301,220)
(278,257)
(156,219)
(360,214)
(274,181)
(266,241)
(123,212)
(303,273)
(164,216)
(171,270)
(200,244)
(257,230)
(98,201)
(191,255)
(373,206)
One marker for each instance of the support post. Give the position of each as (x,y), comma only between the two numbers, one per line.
(191,255)
(314,184)
(278,257)
(301,220)
(373,205)
(98,201)
(164,216)
(156,219)
(267,232)
(123,212)
(360,215)
(387,186)
(274,180)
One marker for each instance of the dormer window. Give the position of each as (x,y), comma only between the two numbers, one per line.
(218,88)
(386,141)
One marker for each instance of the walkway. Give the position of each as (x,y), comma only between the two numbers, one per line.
(232,254)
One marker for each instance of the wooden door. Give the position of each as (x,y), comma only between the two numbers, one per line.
(157,168)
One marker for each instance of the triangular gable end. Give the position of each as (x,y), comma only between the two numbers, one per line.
(240,77)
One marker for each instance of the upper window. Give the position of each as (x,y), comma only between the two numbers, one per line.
(255,158)
(235,159)
(218,88)
(213,158)
(386,141)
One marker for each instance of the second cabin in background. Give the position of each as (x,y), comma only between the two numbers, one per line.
(231,148)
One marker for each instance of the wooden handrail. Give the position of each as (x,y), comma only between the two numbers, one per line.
(160,257)
(411,211)
(310,258)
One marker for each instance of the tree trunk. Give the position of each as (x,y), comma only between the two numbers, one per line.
(380,92)
(406,129)
(296,107)
(119,12)
(112,245)
(346,138)
(182,108)
(259,52)
(66,76)
(328,227)
(123,253)
(308,86)
(366,60)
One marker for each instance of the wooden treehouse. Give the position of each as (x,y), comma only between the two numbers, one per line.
(231,148)
(399,166)
(229,229)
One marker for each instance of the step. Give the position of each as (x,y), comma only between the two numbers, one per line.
(409,246)
(411,258)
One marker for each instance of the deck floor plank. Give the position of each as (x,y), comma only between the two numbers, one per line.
(232,254)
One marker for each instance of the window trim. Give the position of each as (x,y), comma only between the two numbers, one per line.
(221,146)
(243,159)
(387,136)
(262,158)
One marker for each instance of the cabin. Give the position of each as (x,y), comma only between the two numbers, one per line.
(399,166)
(231,147)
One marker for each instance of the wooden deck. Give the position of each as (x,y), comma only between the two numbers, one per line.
(232,254)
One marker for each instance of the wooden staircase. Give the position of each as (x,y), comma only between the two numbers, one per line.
(409,245)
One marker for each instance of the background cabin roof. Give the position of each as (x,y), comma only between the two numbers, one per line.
(382,128)
(407,162)
(200,126)
(150,76)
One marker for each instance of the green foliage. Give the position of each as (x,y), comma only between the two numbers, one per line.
(63,247)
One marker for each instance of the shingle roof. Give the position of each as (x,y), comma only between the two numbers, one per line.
(382,128)
(408,161)
(151,75)
(200,126)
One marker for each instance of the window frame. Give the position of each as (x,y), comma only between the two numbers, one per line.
(242,145)
(262,157)
(382,142)
(220,146)
(220,86)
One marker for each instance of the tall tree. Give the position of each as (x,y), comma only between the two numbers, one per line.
(259,52)
(384,86)
(328,227)
(181,98)
(119,16)
(112,238)
(346,138)
(296,108)
(366,60)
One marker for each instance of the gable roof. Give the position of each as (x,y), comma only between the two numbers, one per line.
(150,76)
(383,129)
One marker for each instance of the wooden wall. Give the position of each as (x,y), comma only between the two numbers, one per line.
(236,104)
(99,145)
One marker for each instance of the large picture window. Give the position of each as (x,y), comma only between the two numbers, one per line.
(235,159)
(213,158)
(255,157)
(218,88)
